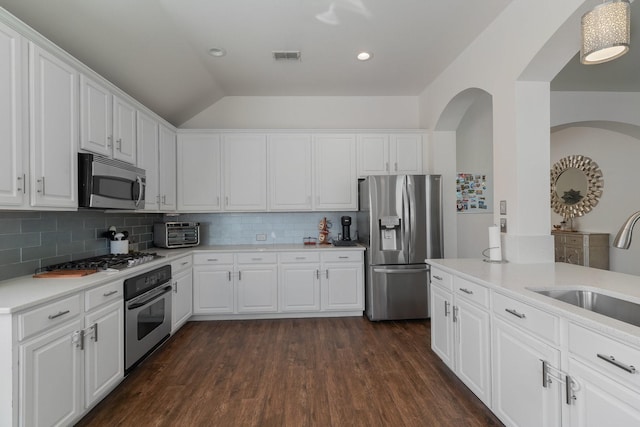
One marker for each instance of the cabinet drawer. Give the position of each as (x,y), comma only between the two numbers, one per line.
(541,323)
(574,240)
(105,293)
(212,258)
(471,291)
(257,258)
(587,345)
(40,319)
(340,256)
(181,264)
(441,278)
(287,257)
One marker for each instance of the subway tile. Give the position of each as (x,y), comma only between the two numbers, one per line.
(92,245)
(95,223)
(19,269)
(8,241)
(45,262)
(55,237)
(82,234)
(9,256)
(10,225)
(68,248)
(47,223)
(38,252)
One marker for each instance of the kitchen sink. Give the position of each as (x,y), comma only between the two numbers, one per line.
(616,308)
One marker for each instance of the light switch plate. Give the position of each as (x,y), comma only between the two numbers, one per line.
(261,237)
(503,225)
(503,207)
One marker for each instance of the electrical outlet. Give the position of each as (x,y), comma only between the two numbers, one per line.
(261,237)
(503,225)
(503,207)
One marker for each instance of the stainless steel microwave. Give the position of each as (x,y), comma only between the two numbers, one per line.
(109,184)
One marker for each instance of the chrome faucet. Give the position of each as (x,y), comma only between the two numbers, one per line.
(623,239)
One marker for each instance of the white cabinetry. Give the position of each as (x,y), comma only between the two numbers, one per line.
(149,159)
(182,301)
(199,172)
(257,286)
(470,326)
(299,284)
(107,122)
(167,169)
(341,287)
(245,171)
(290,172)
(383,154)
(53,133)
(13,167)
(335,181)
(213,283)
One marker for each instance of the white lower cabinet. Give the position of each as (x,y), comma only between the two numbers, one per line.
(182,299)
(257,285)
(341,284)
(213,289)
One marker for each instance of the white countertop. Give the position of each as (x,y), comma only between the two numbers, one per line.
(516,280)
(24,292)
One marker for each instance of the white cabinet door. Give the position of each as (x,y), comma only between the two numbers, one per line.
(519,398)
(473,363)
(50,378)
(335,181)
(104,351)
(290,172)
(245,172)
(124,131)
(13,167)
(213,289)
(601,400)
(373,154)
(442,324)
(199,173)
(342,287)
(299,287)
(182,302)
(257,288)
(54,128)
(405,154)
(167,169)
(148,159)
(96,124)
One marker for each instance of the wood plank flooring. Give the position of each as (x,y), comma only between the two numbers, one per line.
(294,372)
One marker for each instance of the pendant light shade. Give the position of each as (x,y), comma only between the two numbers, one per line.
(606,31)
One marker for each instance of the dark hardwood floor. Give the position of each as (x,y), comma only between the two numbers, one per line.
(298,372)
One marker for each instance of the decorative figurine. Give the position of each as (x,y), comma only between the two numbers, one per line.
(323,236)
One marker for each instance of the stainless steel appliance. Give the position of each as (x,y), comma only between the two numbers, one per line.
(176,234)
(104,262)
(109,184)
(147,320)
(400,223)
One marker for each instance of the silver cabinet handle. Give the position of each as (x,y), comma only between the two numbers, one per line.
(466,291)
(41,182)
(164,199)
(301,257)
(229,276)
(629,368)
(327,273)
(343,257)
(318,274)
(110,141)
(446,308)
(239,275)
(22,184)
(107,294)
(58,314)
(185,263)
(399,270)
(212,259)
(545,374)
(78,339)
(515,313)
(455,313)
(119,144)
(256,259)
(437,277)
(175,287)
(568,388)
(94,332)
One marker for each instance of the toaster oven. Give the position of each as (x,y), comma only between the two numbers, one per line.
(176,234)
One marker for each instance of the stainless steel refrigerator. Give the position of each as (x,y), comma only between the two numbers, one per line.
(400,223)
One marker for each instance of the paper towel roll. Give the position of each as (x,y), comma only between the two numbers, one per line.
(495,246)
(119,247)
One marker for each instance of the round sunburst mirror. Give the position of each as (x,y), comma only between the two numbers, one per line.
(576,186)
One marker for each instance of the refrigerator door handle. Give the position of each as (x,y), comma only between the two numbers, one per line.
(406,216)
(399,270)
(411,196)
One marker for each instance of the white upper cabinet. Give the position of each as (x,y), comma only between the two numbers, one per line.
(394,154)
(148,159)
(107,122)
(199,172)
(13,167)
(167,168)
(245,171)
(53,90)
(290,172)
(335,181)
(124,130)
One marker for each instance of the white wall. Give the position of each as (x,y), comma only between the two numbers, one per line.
(309,112)
(617,155)
(474,154)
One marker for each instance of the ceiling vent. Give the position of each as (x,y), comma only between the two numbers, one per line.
(290,55)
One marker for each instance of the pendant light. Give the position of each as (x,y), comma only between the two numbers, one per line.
(605,32)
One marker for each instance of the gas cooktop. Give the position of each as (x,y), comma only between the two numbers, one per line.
(104,262)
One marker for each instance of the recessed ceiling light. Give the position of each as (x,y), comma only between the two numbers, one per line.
(364,56)
(217,51)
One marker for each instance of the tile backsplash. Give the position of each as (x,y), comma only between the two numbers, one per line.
(30,240)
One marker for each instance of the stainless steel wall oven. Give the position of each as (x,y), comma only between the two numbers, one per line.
(147,323)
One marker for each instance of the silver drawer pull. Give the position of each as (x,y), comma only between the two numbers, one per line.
(515,313)
(437,277)
(60,313)
(185,263)
(343,257)
(107,294)
(629,368)
(212,259)
(301,257)
(466,291)
(256,259)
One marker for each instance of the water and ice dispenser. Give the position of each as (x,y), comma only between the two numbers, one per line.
(390,232)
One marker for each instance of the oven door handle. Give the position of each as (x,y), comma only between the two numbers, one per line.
(136,304)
